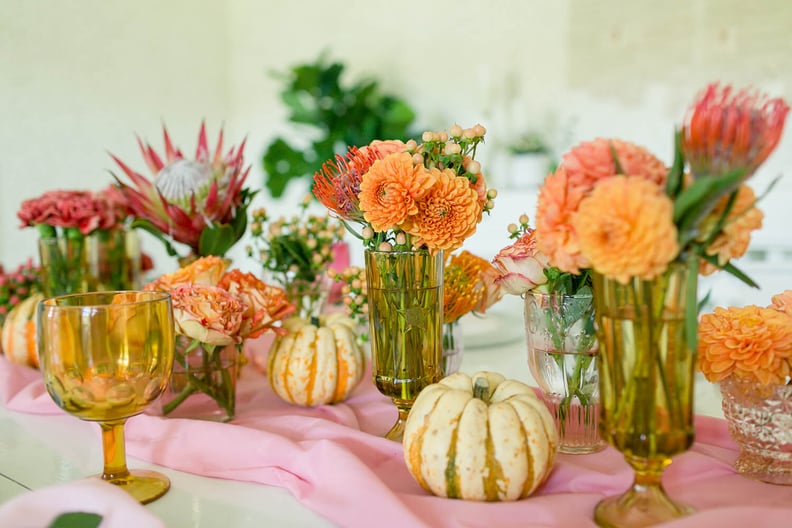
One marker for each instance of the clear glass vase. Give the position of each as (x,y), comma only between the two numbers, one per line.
(646,373)
(760,421)
(453,347)
(405,300)
(203,382)
(562,346)
(101,261)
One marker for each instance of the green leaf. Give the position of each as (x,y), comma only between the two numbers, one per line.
(731,269)
(77,520)
(691,302)
(216,240)
(694,203)
(283,163)
(677,173)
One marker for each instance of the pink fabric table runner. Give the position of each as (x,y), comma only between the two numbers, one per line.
(333,461)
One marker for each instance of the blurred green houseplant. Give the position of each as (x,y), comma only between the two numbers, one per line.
(340,116)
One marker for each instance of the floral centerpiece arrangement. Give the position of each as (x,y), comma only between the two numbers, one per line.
(561,339)
(82,240)
(214,311)
(200,203)
(296,254)
(411,202)
(644,231)
(748,350)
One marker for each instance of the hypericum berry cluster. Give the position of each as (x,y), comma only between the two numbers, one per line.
(354,294)
(516,231)
(295,251)
(16,286)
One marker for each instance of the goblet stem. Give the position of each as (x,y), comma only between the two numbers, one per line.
(397,431)
(114,448)
(145,486)
(645,503)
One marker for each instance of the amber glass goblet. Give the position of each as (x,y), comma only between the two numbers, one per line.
(105,356)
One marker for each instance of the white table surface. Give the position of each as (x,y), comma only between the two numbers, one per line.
(38,451)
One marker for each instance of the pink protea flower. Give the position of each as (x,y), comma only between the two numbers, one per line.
(188,197)
(727,130)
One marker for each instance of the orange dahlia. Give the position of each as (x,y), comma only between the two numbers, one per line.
(446,215)
(747,342)
(581,169)
(625,228)
(783,302)
(735,236)
(391,189)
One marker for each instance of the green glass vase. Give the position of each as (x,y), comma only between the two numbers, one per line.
(405,300)
(646,374)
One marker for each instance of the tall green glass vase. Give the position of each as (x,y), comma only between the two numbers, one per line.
(405,302)
(646,374)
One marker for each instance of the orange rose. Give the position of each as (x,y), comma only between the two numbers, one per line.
(205,270)
(207,314)
(264,305)
(625,228)
(746,342)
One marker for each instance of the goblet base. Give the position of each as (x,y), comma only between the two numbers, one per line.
(639,506)
(396,432)
(143,485)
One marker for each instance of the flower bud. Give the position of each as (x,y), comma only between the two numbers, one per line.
(492,194)
(524,219)
(473,167)
(401,239)
(367,233)
(489,205)
(512,228)
(455,131)
(452,148)
(417,159)
(411,145)
(468,133)
(479,130)
(385,246)
(442,136)
(427,136)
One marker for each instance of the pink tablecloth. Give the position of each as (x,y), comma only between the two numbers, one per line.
(333,461)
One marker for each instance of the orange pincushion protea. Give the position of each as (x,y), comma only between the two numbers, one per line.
(466,287)
(747,342)
(728,130)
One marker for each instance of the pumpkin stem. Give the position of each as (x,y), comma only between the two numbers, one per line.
(315,321)
(481,389)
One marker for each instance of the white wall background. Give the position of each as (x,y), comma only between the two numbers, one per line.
(79,78)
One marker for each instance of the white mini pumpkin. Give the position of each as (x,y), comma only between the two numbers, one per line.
(18,340)
(316,364)
(480,438)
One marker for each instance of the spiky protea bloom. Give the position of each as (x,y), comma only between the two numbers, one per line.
(727,130)
(198,202)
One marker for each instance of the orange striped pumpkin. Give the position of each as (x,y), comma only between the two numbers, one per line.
(480,438)
(19,332)
(316,364)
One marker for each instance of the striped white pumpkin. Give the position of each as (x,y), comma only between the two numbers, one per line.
(480,438)
(316,364)
(18,339)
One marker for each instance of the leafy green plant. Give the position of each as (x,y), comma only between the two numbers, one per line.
(341,115)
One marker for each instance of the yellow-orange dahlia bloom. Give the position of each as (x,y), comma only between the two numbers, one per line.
(747,342)
(580,170)
(735,236)
(625,228)
(783,302)
(390,190)
(446,215)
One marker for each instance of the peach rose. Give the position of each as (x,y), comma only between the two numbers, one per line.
(205,270)
(521,265)
(747,342)
(264,305)
(625,229)
(208,314)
